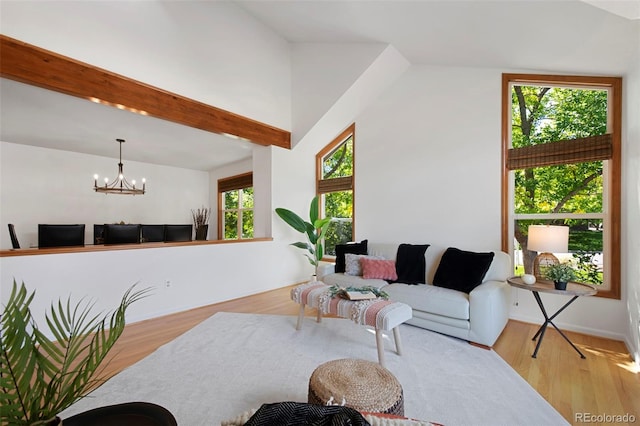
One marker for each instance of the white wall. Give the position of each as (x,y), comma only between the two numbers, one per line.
(318,83)
(209,51)
(430,144)
(40,185)
(428,160)
(213,52)
(428,171)
(293,175)
(631,204)
(182,277)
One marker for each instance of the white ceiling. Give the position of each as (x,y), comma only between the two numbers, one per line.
(39,117)
(482,33)
(629,9)
(445,32)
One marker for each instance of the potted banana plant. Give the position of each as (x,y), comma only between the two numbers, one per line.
(39,377)
(315,230)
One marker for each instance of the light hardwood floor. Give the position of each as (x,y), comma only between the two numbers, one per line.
(605,383)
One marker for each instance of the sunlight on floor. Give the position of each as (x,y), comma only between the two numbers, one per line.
(621,360)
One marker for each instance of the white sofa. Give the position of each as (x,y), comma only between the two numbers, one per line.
(478,317)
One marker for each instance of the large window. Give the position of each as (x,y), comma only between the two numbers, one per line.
(561,166)
(235,201)
(335,187)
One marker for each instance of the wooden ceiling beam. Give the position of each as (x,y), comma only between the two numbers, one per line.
(33,65)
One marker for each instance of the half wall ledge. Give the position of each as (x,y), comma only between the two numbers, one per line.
(92,248)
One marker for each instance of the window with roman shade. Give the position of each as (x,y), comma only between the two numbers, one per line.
(235,201)
(334,177)
(561,166)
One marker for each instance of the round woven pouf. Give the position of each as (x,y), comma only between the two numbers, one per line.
(365,386)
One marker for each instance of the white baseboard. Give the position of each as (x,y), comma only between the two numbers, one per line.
(574,328)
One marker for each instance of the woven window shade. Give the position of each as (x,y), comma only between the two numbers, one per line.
(335,184)
(235,182)
(581,150)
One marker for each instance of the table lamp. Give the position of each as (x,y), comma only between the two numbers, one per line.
(547,239)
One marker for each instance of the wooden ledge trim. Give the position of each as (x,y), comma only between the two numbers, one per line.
(93,248)
(33,65)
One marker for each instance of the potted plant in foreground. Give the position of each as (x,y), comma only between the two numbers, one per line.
(560,274)
(315,231)
(39,378)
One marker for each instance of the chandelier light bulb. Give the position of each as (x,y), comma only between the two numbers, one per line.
(95,177)
(106,180)
(133,182)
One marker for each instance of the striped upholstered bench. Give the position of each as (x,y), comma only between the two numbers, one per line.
(382,315)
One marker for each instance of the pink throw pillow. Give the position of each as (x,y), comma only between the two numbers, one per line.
(380,269)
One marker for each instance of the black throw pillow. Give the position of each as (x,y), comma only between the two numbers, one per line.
(410,263)
(353,248)
(462,270)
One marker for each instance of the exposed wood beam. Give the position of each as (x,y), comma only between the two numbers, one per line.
(33,65)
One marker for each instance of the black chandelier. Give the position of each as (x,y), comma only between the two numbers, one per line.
(120,185)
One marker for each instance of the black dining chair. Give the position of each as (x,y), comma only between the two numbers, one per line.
(60,235)
(14,238)
(178,232)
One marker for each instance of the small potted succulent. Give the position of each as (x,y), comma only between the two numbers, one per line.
(560,274)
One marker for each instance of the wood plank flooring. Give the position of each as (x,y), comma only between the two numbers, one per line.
(605,383)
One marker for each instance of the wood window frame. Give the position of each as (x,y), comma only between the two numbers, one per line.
(324,186)
(231,183)
(614,85)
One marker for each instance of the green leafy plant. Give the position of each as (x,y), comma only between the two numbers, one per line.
(40,377)
(562,272)
(315,231)
(334,290)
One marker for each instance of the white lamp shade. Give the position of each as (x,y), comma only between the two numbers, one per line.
(548,239)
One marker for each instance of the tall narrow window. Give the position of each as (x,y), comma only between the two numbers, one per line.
(235,201)
(561,166)
(334,172)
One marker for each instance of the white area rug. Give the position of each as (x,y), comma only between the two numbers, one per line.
(232,362)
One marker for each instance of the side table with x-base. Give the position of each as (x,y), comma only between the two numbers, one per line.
(573,289)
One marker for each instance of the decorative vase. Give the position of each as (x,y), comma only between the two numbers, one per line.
(528,279)
(201,232)
(560,285)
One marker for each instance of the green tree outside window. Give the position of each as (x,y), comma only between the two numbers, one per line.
(543,115)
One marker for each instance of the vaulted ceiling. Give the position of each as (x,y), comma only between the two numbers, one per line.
(452,33)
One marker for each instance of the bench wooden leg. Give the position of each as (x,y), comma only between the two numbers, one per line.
(396,337)
(380,345)
(319,315)
(300,317)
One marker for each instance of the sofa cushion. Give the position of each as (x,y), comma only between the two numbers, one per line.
(342,249)
(378,269)
(352,263)
(462,270)
(410,263)
(428,298)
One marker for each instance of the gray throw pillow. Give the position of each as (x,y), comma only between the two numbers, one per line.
(352,264)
